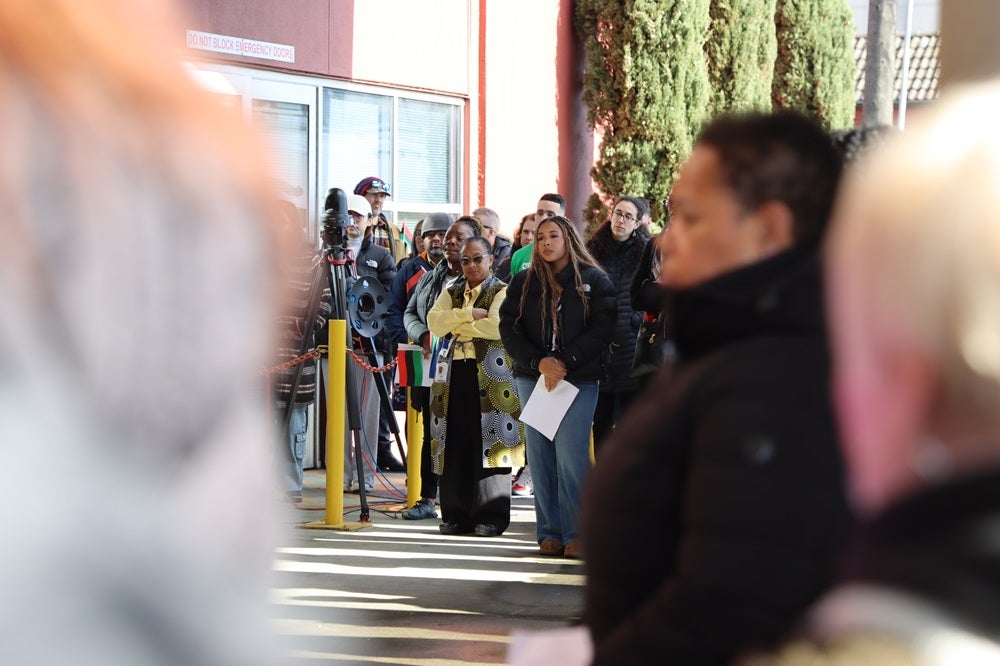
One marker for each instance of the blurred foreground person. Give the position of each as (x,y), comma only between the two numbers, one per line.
(711,518)
(914,283)
(136,282)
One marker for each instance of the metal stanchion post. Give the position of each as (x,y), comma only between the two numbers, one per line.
(335,402)
(335,426)
(414,443)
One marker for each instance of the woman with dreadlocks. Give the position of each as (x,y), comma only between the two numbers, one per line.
(558,317)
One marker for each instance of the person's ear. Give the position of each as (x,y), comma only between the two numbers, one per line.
(775,225)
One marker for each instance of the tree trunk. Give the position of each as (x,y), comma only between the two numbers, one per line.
(880,63)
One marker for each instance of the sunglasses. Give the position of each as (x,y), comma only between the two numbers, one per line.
(478,259)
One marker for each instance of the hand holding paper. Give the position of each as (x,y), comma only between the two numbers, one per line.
(545,409)
(553,370)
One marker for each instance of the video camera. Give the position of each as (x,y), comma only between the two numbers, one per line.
(337,226)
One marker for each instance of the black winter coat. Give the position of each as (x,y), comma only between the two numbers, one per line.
(501,249)
(711,521)
(619,260)
(647,295)
(927,566)
(527,338)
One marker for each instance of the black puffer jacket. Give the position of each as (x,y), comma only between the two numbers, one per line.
(619,260)
(710,522)
(527,337)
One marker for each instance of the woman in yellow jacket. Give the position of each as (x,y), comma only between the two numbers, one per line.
(474,406)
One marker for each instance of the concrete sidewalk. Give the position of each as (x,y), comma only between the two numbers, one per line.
(399,592)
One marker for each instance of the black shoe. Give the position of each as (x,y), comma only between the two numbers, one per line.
(453,528)
(424,508)
(391,465)
(486,530)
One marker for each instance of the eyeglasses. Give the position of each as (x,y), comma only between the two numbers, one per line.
(478,259)
(628,217)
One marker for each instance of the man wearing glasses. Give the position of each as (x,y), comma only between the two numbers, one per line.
(385,233)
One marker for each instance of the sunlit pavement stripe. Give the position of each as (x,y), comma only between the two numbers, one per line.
(296,592)
(404,533)
(314,597)
(338,657)
(409,555)
(290,627)
(434,574)
(374,606)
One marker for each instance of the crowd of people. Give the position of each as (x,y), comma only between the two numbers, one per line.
(808,478)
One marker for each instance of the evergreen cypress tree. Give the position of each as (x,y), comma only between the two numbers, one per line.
(814,71)
(741,49)
(646,89)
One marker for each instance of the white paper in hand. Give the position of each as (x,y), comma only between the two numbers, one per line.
(545,409)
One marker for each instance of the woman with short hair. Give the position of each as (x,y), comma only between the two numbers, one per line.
(476,437)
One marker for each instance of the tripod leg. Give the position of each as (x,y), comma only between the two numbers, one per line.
(354,398)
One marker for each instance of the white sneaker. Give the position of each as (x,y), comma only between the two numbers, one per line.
(523,487)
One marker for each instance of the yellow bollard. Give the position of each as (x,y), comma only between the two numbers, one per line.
(336,402)
(414,444)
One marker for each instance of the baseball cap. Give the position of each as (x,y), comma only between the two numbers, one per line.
(358,204)
(372,184)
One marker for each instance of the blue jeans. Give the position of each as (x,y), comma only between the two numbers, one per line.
(291,450)
(559,466)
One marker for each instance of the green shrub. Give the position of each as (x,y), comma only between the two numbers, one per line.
(740,51)
(646,90)
(814,71)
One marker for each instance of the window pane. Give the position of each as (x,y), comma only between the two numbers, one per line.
(357,139)
(427,152)
(286,127)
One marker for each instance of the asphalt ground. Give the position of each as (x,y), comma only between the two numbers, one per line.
(399,592)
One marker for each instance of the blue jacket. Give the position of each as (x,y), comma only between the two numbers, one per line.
(399,295)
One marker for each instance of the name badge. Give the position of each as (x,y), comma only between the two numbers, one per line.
(441,372)
(443,365)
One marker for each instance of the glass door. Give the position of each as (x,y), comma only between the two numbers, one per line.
(285,115)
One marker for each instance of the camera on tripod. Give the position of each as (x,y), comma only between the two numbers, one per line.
(338,229)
